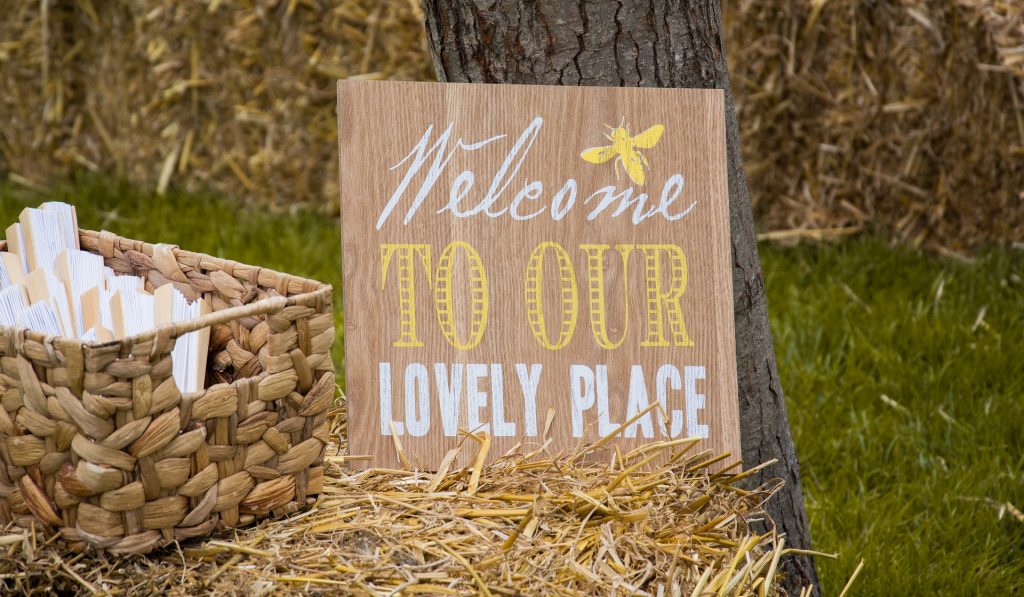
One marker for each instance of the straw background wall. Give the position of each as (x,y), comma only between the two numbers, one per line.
(904,117)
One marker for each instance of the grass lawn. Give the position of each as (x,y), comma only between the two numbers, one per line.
(905,384)
(904,375)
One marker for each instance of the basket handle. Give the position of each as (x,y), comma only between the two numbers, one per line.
(267,306)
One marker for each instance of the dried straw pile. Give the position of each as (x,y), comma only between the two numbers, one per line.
(525,525)
(900,116)
(237,96)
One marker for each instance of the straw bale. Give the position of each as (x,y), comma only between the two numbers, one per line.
(39,102)
(528,524)
(234,96)
(902,116)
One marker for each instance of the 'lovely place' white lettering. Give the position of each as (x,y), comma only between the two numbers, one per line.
(430,158)
(474,397)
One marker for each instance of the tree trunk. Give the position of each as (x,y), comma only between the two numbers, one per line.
(630,43)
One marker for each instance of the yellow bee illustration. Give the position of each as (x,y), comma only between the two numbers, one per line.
(624,149)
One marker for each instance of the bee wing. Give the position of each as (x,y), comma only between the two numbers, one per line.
(633,163)
(649,138)
(598,155)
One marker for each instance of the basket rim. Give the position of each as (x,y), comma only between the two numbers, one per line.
(312,293)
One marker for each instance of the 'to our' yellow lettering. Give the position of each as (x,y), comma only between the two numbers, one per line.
(568,294)
(479,296)
(406,285)
(598,293)
(664,302)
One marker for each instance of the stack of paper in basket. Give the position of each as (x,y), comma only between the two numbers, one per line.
(48,284)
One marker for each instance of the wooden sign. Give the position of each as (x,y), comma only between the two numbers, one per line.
(541,264)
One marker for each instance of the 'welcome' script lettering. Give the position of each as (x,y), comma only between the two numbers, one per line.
(436,155)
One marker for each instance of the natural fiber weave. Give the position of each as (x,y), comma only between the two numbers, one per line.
(98,443)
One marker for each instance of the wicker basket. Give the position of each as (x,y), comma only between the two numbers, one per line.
(98,443)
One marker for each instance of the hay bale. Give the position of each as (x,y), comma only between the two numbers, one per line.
(528,524)
(892,115)
(238,98)
(40,101)
(899,116)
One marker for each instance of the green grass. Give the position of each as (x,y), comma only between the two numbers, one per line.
(910,483)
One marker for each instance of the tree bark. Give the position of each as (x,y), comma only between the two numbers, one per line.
(679,43)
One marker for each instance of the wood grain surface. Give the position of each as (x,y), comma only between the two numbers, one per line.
(458,201)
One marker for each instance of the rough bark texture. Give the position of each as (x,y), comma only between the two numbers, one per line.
(646,44)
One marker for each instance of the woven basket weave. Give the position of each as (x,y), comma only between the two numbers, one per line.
(98,443)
